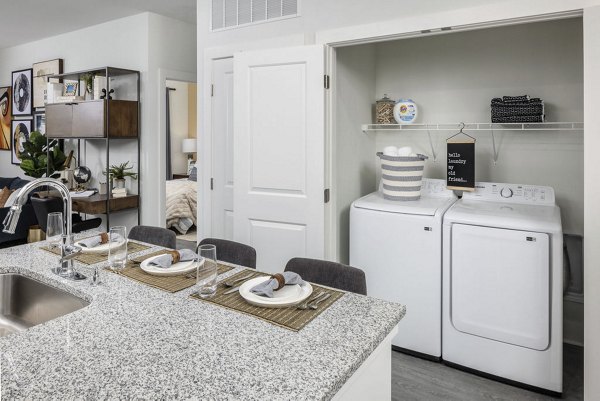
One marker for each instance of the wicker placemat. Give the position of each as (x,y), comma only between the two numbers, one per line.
(171,284)
(290,318)
(93,258)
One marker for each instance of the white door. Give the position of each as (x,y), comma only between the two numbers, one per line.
(279,153)
(500,285)
(222,145)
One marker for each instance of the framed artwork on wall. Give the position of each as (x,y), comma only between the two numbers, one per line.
(22,92)
(39,122)
(5,113)
(40,71)
(20,135)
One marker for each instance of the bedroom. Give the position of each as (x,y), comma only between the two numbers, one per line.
(180,185)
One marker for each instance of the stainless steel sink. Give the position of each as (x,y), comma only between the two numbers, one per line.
(25,302)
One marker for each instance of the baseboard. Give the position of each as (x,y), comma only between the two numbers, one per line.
(503,380)
(417,354)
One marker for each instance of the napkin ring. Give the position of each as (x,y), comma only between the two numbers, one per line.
(280,280)
(104,238)
(176,256)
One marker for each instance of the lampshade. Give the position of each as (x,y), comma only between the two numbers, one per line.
(188,145)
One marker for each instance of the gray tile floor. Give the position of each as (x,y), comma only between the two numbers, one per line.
(418,379)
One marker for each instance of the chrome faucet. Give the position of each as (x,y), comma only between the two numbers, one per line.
(67,250)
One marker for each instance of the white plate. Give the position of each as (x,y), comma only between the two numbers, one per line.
(102,248)
(174,270)
(289,295)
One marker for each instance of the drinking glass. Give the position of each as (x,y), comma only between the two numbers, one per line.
(54,229)
(117,249)
(206,273)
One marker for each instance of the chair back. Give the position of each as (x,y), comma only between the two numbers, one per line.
(154,235)
(331,274)
(233,252)
(43,206)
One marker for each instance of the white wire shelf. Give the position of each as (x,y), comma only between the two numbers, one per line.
(549,126)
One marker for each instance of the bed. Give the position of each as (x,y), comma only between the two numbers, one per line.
(182,205)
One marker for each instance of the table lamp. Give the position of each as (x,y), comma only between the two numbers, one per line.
(188,146)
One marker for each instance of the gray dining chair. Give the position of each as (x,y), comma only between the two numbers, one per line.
(233,252)
(331,274)
(154,235)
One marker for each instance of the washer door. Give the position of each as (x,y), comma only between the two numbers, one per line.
(500,285)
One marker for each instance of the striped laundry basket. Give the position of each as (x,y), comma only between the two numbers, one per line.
(402,176)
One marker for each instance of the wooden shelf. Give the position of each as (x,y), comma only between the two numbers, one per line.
(96,204)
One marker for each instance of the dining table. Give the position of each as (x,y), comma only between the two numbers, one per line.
(136,341)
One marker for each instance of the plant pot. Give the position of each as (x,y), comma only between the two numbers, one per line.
(119,183)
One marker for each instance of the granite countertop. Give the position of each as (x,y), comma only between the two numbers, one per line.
(138,342)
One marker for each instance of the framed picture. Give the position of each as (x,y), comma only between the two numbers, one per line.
(191,165)
(70,88)
(20,135)
(39,122)
(22,92)
(40,72)
(5,113)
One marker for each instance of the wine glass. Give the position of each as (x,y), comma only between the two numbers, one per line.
(54,229)
(117,248)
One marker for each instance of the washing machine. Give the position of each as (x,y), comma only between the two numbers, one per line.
(502,285)
(398,244)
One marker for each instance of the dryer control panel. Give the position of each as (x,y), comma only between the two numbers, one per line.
(511,193)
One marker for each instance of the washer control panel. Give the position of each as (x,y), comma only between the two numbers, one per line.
(511,193)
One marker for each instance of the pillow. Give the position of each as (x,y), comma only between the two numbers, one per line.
(12,198)
(193,174)
(5,182)
(4,194)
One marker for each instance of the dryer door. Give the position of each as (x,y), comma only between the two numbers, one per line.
(500,285)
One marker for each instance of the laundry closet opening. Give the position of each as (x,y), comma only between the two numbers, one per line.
(452,78)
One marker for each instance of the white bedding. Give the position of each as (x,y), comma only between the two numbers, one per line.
(182,205)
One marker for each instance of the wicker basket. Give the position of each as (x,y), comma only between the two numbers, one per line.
(402,176)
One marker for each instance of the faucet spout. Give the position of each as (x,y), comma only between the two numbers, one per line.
(12,219)
(67,249)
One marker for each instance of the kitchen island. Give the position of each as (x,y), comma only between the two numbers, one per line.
(137,342)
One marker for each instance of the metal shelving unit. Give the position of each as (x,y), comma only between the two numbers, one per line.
(109,73)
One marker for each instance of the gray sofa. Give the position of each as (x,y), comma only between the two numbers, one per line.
(26,220)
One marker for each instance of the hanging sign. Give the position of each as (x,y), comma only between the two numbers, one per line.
(461,162)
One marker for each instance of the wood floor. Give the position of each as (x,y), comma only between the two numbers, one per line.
(418,379)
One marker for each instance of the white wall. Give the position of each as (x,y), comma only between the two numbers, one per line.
(354,171)
(453,77)
(179,124)
(591,22)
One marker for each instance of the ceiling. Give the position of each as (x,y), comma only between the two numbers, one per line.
(24,21)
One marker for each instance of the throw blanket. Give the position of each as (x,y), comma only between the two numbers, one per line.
(182,204)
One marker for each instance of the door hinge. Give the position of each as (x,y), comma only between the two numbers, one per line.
(326,81)
(212,182)
(326,195)
(212,90)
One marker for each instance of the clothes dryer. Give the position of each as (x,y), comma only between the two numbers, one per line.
(502,284)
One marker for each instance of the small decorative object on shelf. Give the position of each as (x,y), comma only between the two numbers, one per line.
(82,175)
(119,172)
(103,96)
(405,111)
(119,192)
(70,88)
(384,110)
(88,78)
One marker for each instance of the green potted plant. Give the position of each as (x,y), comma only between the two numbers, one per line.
(119,172)
(34,158)
(88,78)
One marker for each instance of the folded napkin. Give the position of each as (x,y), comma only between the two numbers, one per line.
(94,241)
(165,261)
(276,282)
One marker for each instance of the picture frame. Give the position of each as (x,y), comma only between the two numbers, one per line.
(39,122)
(5,117)
(41,71)
(20,130)
(190,166)
(70,88)
(22,92)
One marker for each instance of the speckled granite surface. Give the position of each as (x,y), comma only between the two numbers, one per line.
(137,342)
